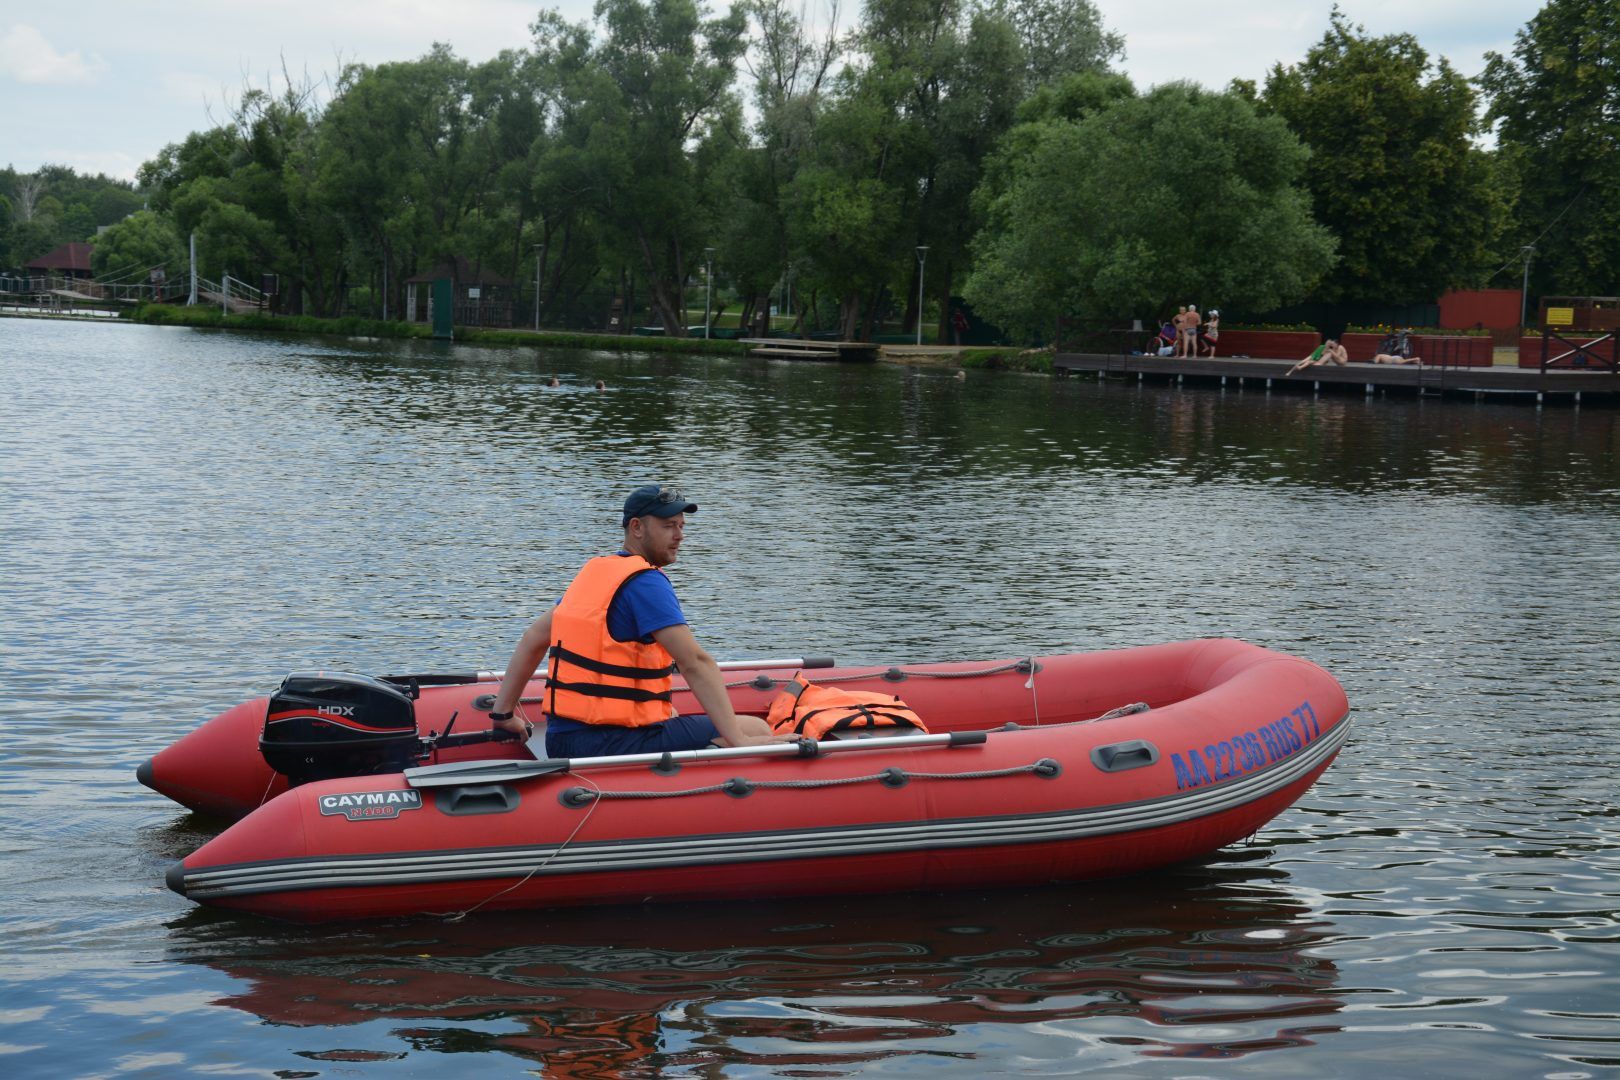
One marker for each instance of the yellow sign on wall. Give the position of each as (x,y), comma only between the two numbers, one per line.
(1560,316)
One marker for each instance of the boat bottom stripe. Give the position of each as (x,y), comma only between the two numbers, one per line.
(584,857)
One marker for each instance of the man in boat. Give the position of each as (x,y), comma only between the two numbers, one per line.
(616,637)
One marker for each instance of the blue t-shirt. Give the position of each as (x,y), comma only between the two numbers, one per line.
(644,604)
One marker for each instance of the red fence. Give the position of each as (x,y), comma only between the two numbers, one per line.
(1268,344)
(1490,309)
(1440,350)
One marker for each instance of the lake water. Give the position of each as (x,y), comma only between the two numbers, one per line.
(187,515)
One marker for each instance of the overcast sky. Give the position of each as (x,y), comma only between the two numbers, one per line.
(102,85)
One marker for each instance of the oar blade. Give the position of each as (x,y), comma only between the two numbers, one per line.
(458,773)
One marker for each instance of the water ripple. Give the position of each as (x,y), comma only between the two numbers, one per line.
(190,514)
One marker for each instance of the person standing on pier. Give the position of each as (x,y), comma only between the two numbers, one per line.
(1211,332)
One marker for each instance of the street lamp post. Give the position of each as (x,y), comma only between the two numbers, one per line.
(540,257)
(708,288)
(922,265)
(1524,290)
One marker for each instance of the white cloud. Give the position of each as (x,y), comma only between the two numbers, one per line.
(177,68)
(1167,40)
(114,163)
(192,88)
(28,57)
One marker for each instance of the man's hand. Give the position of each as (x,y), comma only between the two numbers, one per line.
(531,647)
(516,725)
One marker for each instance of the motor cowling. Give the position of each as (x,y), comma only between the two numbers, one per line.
(322,725)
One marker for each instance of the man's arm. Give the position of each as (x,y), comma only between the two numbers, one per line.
(525,659)
(704,677)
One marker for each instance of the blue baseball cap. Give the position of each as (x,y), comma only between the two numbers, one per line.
(659,500)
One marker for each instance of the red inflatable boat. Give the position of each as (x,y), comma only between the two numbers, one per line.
(1046,769)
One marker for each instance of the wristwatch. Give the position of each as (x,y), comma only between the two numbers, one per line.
(498,716)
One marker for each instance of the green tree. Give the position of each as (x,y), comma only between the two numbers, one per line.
(1147,201)
(403,166)
(1393,172)
(639,106)
(1556,107)
(852,203)
(34,236)
(790,65)
(5,232)
(1059,38)
(141,242)
(56,205)
(250,191)
(896,153)
(200,154)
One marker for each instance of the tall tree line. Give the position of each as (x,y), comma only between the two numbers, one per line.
(628,155)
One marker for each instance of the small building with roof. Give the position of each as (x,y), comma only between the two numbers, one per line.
(481,297)
(69,261)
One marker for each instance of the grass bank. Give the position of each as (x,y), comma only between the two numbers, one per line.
(351,326)
(1006,359)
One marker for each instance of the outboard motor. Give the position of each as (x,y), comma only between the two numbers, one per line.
(327,724)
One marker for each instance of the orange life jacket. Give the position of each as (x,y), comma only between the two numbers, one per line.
(595,678)
(803,708)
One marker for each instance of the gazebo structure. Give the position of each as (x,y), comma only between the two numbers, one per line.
(480,298)
(68,261)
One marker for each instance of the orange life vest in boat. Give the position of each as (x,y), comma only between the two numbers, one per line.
(803,708)
(595,678)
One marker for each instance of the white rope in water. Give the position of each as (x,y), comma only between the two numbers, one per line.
(457,916)
(1029,684)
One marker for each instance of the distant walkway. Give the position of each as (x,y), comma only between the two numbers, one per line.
(1530,384)
(32,311)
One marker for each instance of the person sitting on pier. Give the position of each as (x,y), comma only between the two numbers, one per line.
(1163,344)
(1396,349)
(1329,352)
(1397,343)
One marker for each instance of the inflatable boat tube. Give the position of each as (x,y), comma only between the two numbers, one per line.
(1040,770)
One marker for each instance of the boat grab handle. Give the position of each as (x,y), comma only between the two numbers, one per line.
(1117,757)
(477,799)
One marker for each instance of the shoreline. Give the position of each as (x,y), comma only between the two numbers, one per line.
(990,358)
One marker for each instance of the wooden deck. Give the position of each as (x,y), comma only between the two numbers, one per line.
(1600,387)
(800,349)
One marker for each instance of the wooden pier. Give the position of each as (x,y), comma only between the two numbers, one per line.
(802,349)
(1531,384)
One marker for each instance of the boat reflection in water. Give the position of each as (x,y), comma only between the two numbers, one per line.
(1203,961)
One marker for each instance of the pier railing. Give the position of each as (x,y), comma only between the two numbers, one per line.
(47,289)
(1098,338)
(1580,354)
(55,292)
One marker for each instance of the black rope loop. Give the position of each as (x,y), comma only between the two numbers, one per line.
(893,674)
(741,787)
